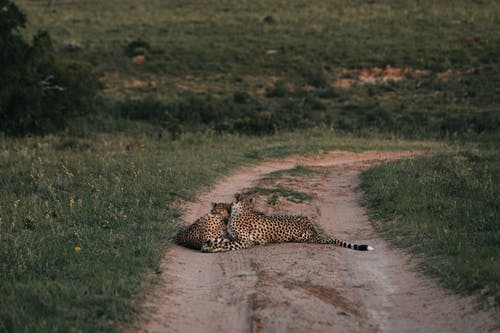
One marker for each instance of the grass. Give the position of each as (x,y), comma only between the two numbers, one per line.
(85,220)
(85,216)
(276,192)
(446,208)
(279,190)
(267,66)
(209,39)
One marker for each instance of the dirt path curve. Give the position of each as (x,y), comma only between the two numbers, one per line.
(305,287)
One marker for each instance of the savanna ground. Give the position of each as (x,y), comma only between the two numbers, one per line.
(305,287)
(194,90)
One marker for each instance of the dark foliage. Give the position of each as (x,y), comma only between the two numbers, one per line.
(237,113)
(38,92)
(137,47)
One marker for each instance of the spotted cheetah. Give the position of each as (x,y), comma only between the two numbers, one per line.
(210,225)
(247,227)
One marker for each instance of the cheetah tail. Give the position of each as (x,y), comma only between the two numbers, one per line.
(357,247)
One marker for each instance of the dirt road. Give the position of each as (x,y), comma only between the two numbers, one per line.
(306,287)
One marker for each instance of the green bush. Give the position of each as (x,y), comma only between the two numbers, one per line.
(137,47)
(38,92)
(234,113)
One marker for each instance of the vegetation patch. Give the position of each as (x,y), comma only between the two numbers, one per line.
(445,207)
(193,89)
(85,220)
(275,193)
(298,171)
(39,91)
(432,67)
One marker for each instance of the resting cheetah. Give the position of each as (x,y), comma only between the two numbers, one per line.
(210,225)
(248,227)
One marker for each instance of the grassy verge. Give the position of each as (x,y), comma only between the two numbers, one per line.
(445,207)
(84,221)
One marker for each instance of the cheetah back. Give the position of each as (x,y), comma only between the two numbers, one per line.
(248,225)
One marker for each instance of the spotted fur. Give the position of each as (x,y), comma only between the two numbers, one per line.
(248,227)
(211,225)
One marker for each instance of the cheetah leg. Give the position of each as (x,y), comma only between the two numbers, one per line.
(224,244)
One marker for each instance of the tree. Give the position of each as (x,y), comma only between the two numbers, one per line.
(38,91)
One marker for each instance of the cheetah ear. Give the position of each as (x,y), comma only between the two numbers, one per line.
(238,196)
(253,199)
(214,204)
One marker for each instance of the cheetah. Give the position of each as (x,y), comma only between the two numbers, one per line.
(210,225)
(248,227)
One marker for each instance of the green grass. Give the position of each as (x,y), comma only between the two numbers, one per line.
(253,67)
(85,220)
(446,208)
(279,190)
(211,61)
(207,38)
(276,192)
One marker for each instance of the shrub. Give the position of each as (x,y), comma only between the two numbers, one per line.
(137,47)
(269,19)
(235,113)
(241,97)
(38,92)
(279,90)
(315,77)
(172,125)
(148,109)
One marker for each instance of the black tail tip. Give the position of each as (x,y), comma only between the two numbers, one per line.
(363,248)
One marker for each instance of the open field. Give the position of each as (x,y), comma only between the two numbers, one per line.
(192,90)
(264,66)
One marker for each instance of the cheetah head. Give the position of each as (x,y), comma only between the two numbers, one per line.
(221,209)
(242,202)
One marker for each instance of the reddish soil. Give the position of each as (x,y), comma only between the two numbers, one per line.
(375,75)
(306,287)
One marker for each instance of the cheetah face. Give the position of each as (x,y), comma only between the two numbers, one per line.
(241,203)
(221,209)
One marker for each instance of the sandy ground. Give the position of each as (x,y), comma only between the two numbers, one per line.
(306,287)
